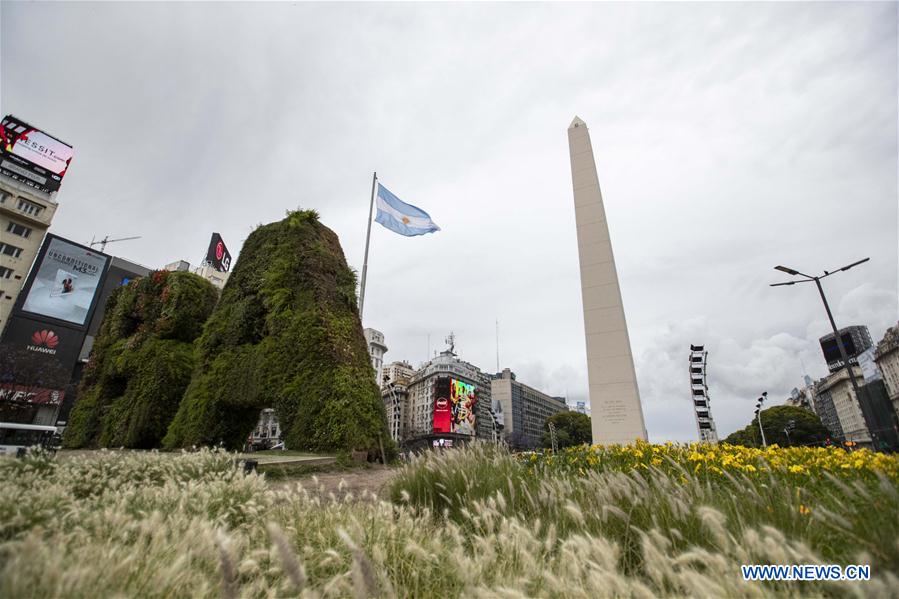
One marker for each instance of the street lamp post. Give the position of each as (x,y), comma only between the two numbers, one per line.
(833,325)
(758,415)
(843,355)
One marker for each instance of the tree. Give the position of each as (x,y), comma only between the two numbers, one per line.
(804,426)
(572,428)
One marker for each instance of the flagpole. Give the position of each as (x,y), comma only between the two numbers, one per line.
(374,182)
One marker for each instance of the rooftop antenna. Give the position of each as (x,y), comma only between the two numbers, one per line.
(497,344)
(428,354)
(102,242)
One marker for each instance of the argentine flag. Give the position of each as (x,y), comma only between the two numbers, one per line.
(400,217)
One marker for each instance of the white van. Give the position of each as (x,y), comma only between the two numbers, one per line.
(16,438)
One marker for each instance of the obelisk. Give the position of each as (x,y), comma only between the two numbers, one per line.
(616,412)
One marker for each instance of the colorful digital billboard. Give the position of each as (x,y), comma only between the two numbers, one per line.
(64,281)
(29,155)
(217,255)
(464,400)
(455,406)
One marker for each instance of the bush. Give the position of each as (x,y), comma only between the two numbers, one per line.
(286,334)
(141,361)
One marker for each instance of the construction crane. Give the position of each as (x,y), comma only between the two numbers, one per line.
(105,240)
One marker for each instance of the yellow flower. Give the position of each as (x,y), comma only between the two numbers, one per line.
(804,510)
(796,469)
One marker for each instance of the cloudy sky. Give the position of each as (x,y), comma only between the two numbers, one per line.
(729,138)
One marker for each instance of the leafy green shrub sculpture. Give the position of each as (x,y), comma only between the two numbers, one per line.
(286,334)
(141,361)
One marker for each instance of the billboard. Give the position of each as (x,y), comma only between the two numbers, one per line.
(29,155)
(463,401)
(38,342)
(870,370)
(22,394)
(217,255)
(455,404)
(831,350)
(64,281)
(442,411)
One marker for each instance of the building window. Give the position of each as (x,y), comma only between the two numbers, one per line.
(4,196)
(30,207)
(17,229)
(5,273)
(10,250)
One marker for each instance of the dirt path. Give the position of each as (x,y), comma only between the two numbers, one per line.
(355,483)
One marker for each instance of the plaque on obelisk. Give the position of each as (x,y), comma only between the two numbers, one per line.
(616,413)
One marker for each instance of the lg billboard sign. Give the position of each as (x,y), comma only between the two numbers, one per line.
(217,255)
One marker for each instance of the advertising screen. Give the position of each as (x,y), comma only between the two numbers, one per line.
(832,351)
(30,155)
(463,401)
(64,281)
(443,416)
(11,393)
(217,255)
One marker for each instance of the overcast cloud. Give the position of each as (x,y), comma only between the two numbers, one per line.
(729,138)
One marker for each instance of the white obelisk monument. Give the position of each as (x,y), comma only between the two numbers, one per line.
(616,412)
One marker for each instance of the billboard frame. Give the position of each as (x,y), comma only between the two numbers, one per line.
(223,264)
(33,172)
(32,275)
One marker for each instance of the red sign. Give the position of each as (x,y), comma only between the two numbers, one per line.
(45,338)
(32,395)
(443,415)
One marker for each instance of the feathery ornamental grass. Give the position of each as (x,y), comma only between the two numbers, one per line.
(472,522)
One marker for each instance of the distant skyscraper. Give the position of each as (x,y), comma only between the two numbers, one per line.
(617,414)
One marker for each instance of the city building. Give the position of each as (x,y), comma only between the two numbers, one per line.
(856,339)
(886,356)
(838,407)
(802,398)
(613,393)
(805,397)
(32,167)
(827,412)
(449,401)
(880,417)
(267,433)
(25,216)
(217,277)
(396,371)
(395,395)
(376,349)
(525,410)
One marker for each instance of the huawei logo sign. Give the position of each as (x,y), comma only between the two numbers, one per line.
(45,338)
